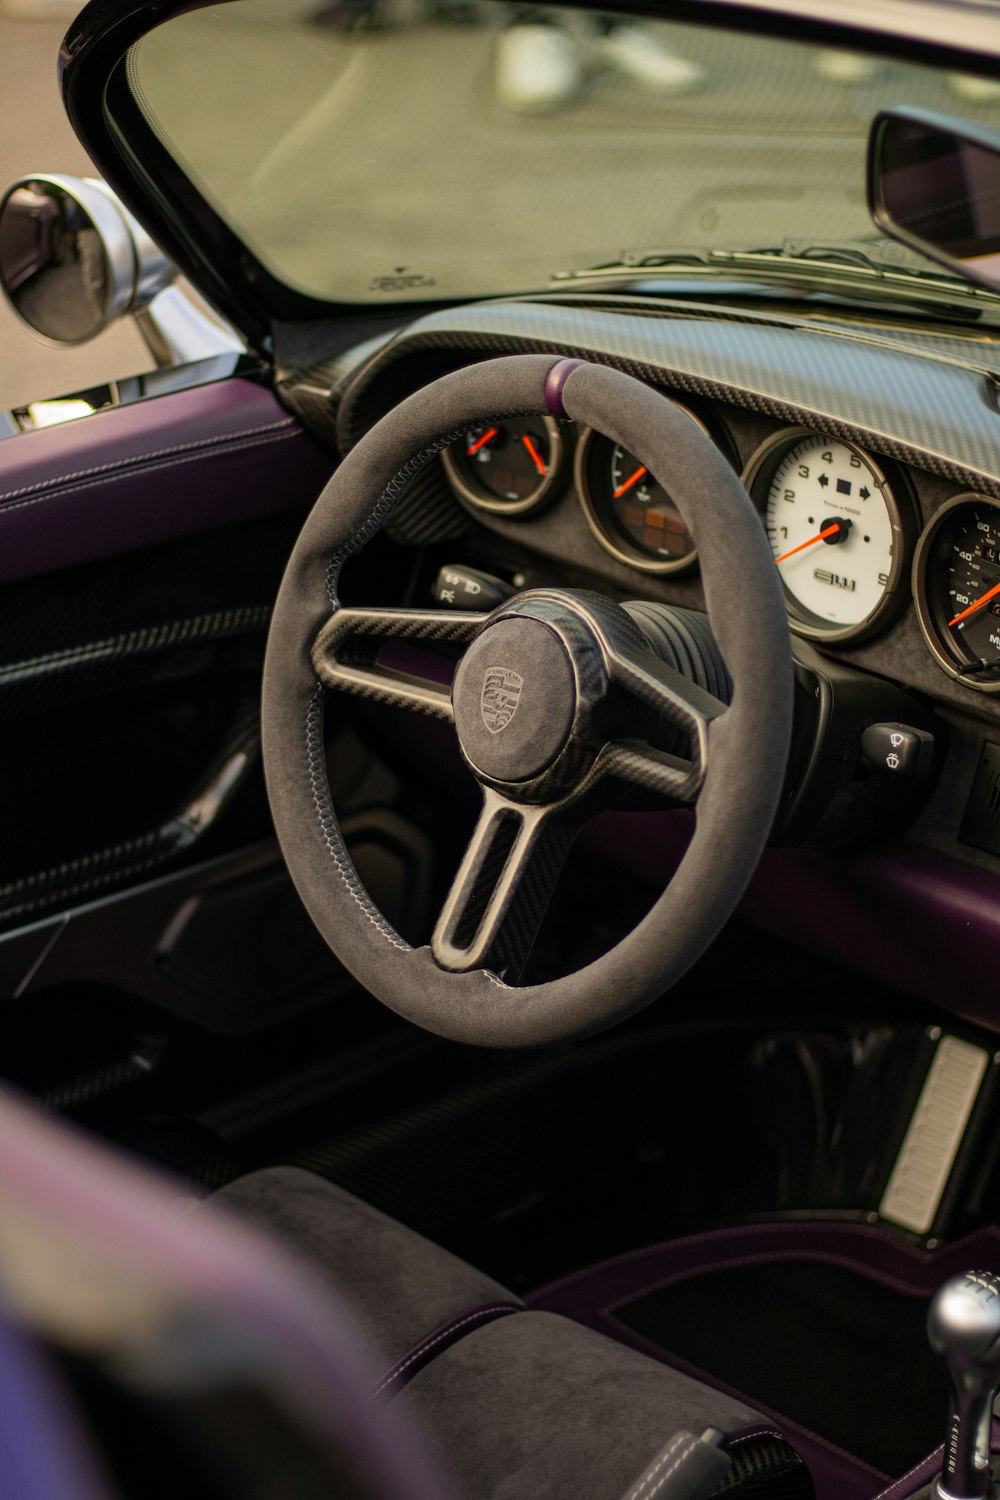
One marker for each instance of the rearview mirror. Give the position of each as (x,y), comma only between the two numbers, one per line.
(934,184)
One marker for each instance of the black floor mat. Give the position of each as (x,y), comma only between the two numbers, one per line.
(834,1351)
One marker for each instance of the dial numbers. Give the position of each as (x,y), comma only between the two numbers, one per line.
(957,588)
(838,533)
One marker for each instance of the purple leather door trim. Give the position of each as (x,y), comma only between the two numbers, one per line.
(135,475)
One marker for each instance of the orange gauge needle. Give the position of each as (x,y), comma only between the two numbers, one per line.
(630,481)
(536,456)
(481,442)
(990,594)
(820,536)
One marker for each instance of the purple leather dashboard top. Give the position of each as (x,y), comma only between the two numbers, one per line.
(138,474)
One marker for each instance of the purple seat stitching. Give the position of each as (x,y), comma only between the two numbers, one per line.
(439,1339)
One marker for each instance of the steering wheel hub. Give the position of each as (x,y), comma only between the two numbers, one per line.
(526,690)
(515,700)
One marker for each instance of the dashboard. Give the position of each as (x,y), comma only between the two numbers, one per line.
(857,538)
(872,455)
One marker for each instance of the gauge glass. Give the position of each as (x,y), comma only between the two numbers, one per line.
(629,511)
(508,467)
(836,530)
(957,573)
(643,513)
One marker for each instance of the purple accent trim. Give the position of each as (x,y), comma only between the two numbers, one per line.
(593,1295)
(43,1452)
(402,1372)
(836,1475)
(922,922)
(401,656)
(136,475)
(833,1474)
(921,1474)
(555,382)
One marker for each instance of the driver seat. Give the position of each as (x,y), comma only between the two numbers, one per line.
(517,1403)
(209,1361)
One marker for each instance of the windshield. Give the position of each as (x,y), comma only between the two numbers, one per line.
(389,150)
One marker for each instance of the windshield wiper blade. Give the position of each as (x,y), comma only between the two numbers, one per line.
(864,270)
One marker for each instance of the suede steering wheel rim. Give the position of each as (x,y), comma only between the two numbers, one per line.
(553,693)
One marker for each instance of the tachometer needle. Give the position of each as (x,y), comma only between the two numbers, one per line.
(481,442)
(630,481)
(820,536)
(536,456)
(990,594)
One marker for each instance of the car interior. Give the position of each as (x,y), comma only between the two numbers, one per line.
(499,948)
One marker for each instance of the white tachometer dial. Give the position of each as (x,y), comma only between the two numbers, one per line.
(835,529)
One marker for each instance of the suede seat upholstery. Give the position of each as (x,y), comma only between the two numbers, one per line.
(524,1404)
(400,1286)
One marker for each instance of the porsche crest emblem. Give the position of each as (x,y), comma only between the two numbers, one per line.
(500,697)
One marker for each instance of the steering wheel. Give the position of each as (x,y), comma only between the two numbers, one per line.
(556,690)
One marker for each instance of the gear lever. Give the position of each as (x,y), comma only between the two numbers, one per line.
(963,1325)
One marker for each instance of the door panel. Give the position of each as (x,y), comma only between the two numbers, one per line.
(167,467)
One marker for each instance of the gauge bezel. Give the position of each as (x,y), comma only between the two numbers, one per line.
(921,596)
(492,504)
(612,544)
(903,520)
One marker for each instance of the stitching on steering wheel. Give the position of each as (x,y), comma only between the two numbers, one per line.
(337,849)
(329,826)
(331,829)
(392,493)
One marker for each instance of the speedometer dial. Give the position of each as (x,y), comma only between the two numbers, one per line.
(957,588)
(839,533)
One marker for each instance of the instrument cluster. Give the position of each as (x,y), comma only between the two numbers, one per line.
(845,528)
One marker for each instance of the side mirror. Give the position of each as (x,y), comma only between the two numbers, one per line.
(72,259)
(934,184)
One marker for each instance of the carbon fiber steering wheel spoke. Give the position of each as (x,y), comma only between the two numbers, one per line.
(652,770)
(679,703)
(503,887)
(345,652)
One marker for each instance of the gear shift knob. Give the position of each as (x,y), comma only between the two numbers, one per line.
(963,1325)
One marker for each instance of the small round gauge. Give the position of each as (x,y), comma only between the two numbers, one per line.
(956,583)
(507,467)
(630,512)
(840,534)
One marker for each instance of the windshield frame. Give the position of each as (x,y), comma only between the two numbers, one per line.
(962,34)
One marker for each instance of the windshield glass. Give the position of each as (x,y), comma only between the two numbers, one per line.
(392,150)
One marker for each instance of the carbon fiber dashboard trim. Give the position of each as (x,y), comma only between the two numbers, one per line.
(911,403)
